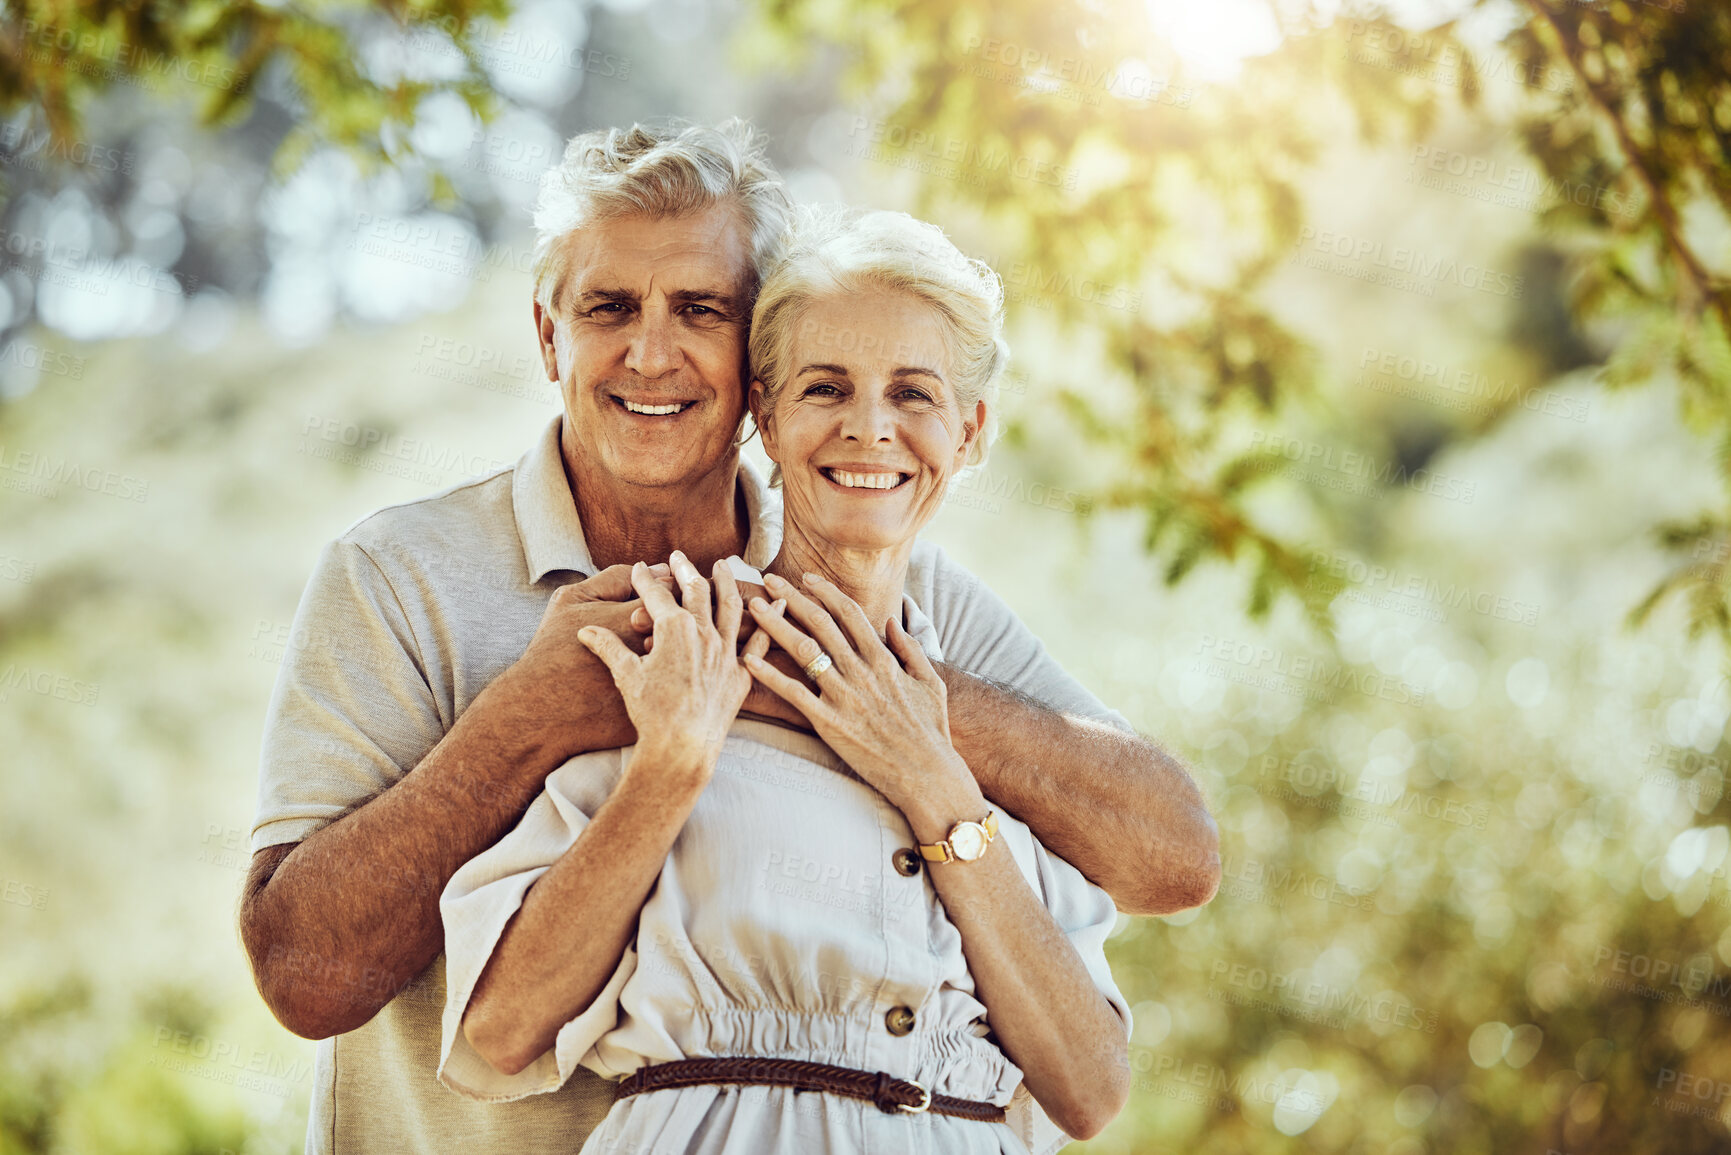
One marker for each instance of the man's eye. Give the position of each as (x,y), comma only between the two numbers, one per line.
(607,307)
(702,310)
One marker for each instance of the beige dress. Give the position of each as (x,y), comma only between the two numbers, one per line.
(779,927)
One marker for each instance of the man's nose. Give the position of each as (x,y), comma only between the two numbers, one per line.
(654,350)
(868,420)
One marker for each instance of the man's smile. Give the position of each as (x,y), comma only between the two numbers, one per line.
(644,409)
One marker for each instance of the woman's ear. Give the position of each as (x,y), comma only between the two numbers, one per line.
(754,399)
(971,428)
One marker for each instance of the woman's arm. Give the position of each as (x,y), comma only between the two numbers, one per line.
(1124,812)
(562,945)
(883,711)
(1049,1017)
(558,951)
(1113,804)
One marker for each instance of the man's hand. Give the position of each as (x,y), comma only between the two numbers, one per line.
(684,696)
(554,654)
(640,619)
(615,583)
(612,603)
(766,703)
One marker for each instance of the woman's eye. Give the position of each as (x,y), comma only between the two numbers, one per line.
(821,389)
(914,395)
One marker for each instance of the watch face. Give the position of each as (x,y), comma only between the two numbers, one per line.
(968,840)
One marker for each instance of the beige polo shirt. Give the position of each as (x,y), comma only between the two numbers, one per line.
(406,619)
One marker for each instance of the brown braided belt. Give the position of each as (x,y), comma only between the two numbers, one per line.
(889,1093)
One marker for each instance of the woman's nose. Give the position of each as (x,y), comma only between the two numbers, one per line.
(868,420)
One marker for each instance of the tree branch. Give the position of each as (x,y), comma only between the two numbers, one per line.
(1663,210)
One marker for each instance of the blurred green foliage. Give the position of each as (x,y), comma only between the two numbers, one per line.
(1631,97)
(58,57)
(1449,881)
(1377,975)
(122,1091)
(1644,108)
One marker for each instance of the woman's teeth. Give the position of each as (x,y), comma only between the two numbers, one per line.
(654,410)
(865,480)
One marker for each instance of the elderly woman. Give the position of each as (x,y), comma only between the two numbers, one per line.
(839,944)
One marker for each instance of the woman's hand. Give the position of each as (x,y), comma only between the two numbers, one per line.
(685,693)
(883,709)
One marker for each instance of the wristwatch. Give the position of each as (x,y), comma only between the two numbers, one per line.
(967,841)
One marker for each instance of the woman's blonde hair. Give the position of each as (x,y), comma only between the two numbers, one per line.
(832,250)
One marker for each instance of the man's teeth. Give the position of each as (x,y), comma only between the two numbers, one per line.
(654,410)
(866,480)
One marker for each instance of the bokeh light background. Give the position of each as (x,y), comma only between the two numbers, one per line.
(1374,583)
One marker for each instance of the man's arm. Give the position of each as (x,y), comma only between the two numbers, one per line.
(1123,812)
(337,924)
(1117,808)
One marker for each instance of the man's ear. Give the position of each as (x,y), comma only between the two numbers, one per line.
(544,334)
(754,400)
(971,429)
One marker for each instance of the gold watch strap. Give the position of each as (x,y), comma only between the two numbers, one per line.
(941,852)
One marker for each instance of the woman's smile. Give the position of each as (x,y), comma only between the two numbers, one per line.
(868,430)
(863,477)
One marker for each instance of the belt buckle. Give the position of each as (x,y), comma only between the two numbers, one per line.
(925,1100)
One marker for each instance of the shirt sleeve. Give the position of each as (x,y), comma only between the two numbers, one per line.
(478,903)
(351,711)
(1086,915)
(982,635)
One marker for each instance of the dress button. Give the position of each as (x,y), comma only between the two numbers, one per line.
(907,862)
(899,1020)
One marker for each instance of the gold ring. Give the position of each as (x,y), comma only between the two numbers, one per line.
(817,665)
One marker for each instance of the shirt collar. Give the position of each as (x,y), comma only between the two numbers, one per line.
(921,629)
(552,533)
(763,511)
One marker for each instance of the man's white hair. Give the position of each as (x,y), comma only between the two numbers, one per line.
(668,168)
(836,251)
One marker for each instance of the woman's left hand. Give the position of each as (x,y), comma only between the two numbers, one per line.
(882,709)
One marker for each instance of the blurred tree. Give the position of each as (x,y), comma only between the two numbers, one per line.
(1626,96)
(1105,166)
(56,57)
(1652,103)
(136,140)
(1502,928)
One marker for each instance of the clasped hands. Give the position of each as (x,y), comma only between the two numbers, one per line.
(880,704)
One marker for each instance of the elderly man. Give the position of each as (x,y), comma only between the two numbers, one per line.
(454,683)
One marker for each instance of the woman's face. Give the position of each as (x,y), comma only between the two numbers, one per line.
(867,430)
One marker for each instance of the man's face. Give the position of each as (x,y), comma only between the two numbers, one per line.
(648,345)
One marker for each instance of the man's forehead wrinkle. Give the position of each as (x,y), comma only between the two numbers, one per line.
(682,278)
(690,253)
(656,245)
